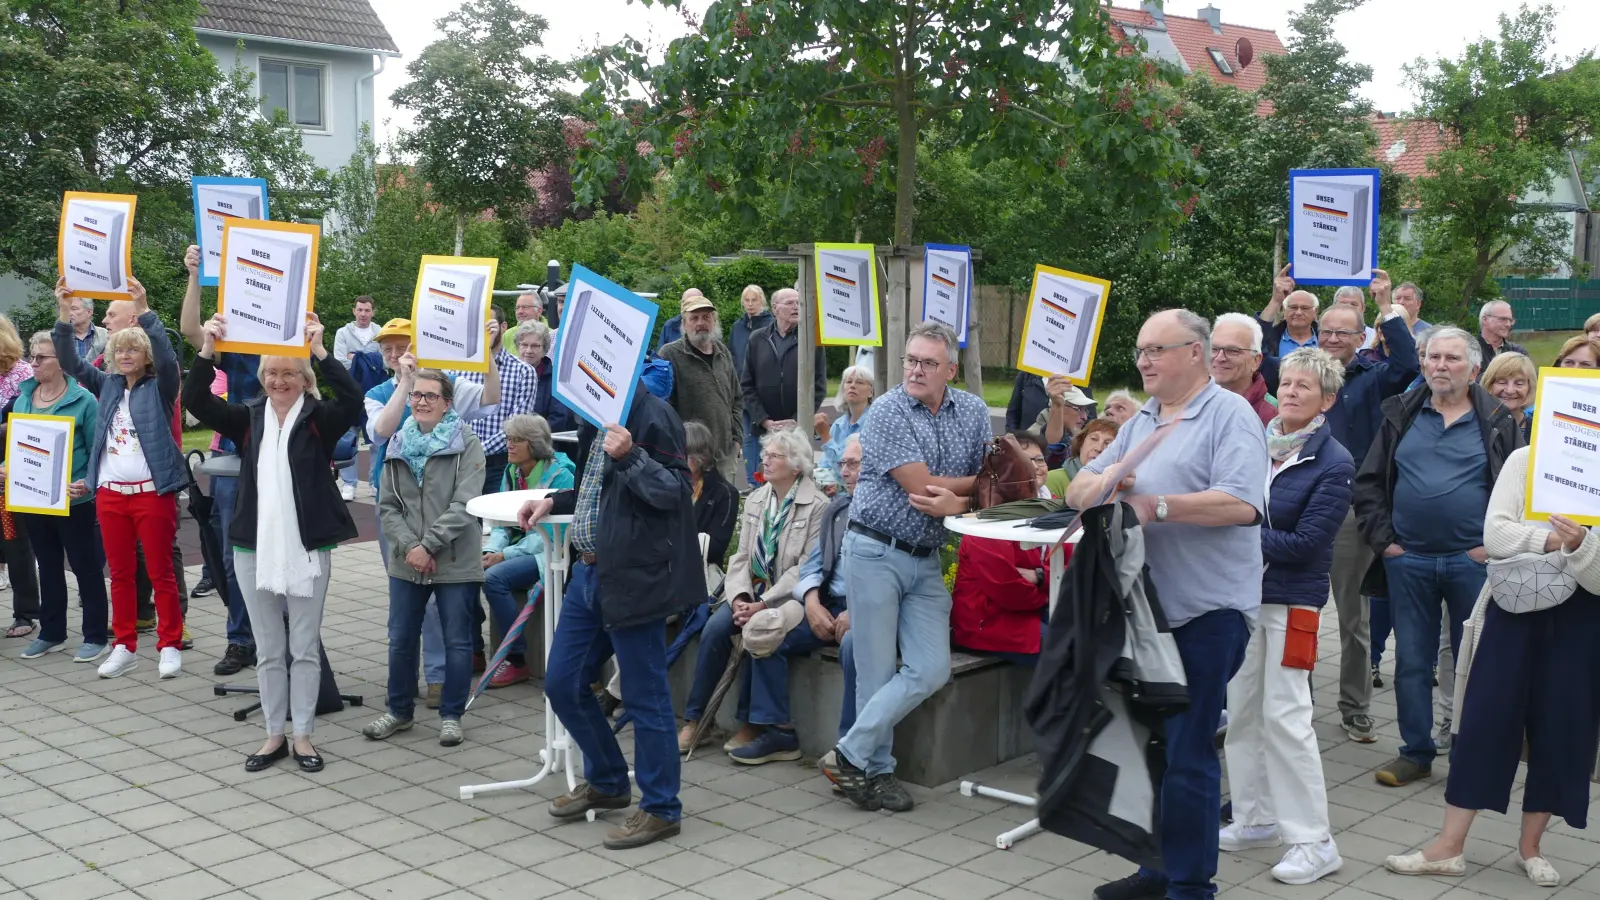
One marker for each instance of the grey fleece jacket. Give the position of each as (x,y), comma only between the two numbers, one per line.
(434,513)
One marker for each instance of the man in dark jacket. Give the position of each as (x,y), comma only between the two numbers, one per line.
(1495,321)
(754,319)
(705,385)
(1421,496)
(642,566)
(1028,397)
(770,377)
(1299,325)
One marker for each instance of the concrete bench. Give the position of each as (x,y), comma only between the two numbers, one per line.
(973,722)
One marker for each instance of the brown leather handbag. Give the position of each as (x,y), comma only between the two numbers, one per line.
(1006,474)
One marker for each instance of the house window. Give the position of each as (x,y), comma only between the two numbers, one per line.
(1220,60)
(295,88)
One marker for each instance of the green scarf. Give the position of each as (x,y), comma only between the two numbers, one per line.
(772,523)
(416,445)
(1282,446)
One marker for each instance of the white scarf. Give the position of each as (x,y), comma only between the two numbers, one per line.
(283,566)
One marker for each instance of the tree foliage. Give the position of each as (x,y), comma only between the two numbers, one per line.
(1510,111)
(829,99)
(488,113)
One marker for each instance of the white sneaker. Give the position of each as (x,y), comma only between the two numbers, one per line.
(347,490)
(1237,836)
(171,662)
(120,662)
(1305,863)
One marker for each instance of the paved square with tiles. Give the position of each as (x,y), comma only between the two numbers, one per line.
(135,787)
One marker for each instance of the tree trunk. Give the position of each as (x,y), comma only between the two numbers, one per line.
(461,228)
(905,179)
(1480,270)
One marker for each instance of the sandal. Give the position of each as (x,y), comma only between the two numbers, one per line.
(19,628)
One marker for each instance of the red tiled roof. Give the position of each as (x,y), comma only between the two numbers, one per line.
(1195,39)
(1407,144)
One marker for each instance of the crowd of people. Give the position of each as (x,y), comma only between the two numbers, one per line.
(1312,458)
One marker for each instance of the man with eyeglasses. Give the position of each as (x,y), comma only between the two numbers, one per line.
(1200,496)
(1355,419)
(770,378)
(922,448)
(1299,326)
(1236,361)
(1495,321)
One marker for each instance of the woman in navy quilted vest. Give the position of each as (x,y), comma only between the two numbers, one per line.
(1274,766)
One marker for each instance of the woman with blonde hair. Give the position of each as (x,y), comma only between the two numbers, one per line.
(1511,377)
(287,517)
(857,388)
(136,468)
(18,569)
(1581,352)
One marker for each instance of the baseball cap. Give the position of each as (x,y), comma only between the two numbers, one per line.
(697,302)
(765,631)
(1076,397)
(395,328)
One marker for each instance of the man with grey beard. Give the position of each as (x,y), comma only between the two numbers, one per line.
(705,386)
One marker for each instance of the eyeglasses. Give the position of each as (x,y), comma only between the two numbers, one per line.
(1154,351)
(849,464)
(1036,460)
(41,357)
(924,365)
(430,397)
(1230,353)
(1326,334)
(1509,320)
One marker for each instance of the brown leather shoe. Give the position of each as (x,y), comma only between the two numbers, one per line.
(640,829)
(583,798)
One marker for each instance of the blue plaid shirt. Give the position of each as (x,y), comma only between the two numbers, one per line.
(586,512)
(518,387)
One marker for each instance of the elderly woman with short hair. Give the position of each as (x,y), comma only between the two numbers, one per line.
(1511,377)
(511,555)
(781,521)
(533,347)
(716,503)
(1273,759)
(287,517)
(857,387)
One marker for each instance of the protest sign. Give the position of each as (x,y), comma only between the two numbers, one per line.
(216,201)
(1564,456)
(947,287)
(450,311)
(38,464)
(268,284)
(604,331)
(847,295)
(95,244)
(1062,328)
(1333,225)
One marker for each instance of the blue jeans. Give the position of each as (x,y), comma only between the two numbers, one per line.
(1212,649)
(764,693)
(895,598)
(1382,624)
(847,662)
(407,603)
(520,573)
(432,634)
(346,449)
(752,450)
(224,493)
(1418,584)
(580,646)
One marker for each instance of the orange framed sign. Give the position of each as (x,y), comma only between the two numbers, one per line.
(267,286)
(94,247)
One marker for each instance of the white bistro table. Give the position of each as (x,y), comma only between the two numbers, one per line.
(1019,531)
(559,753)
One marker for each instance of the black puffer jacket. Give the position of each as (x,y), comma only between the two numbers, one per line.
(324,519)
(771,377)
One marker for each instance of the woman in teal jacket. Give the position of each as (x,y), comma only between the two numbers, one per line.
(51,393)
(511,556)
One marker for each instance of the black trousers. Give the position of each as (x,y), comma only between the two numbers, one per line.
(24,574)
(71,538)
(1534,674)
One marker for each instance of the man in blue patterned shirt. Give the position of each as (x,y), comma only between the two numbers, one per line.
(922,447)
(518,387)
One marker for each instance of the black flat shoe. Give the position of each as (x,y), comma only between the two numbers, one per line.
(311,762)
(255,762)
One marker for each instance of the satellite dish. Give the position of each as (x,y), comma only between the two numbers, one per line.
(1244,52)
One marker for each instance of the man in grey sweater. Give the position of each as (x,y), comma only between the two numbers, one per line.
(705,386)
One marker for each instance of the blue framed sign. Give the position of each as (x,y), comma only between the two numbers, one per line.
(1333,226)
(216,202)
(947,287)
(605,329)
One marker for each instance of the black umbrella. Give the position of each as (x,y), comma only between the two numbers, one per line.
(200,506)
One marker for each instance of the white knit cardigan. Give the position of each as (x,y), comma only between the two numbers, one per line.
(1505,534)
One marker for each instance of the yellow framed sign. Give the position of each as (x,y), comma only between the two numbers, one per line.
(1062,328)
(1564,456)
(38,464)
(267,286)
(94,247)
(450,312)
(847,295)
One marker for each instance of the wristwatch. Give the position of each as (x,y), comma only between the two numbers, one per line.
(1161,508)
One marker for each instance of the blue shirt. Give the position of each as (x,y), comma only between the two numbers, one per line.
(1441,486)
(1218,444)
(811,574)
(1288,345)
(902,430)
(838,433)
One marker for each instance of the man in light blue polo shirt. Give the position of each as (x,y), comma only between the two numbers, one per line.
(1200,496)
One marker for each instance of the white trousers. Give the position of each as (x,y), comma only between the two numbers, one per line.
(1274,764)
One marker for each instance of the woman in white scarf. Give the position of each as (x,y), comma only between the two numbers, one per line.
(288,517)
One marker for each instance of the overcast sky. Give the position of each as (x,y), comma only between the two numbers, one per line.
(1384,34)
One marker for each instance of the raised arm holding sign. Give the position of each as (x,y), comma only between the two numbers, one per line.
(604,332)
(268,284)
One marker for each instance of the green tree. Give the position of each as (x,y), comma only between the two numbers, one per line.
(828,99)
(1511,112)
(488,114)
(119,96)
